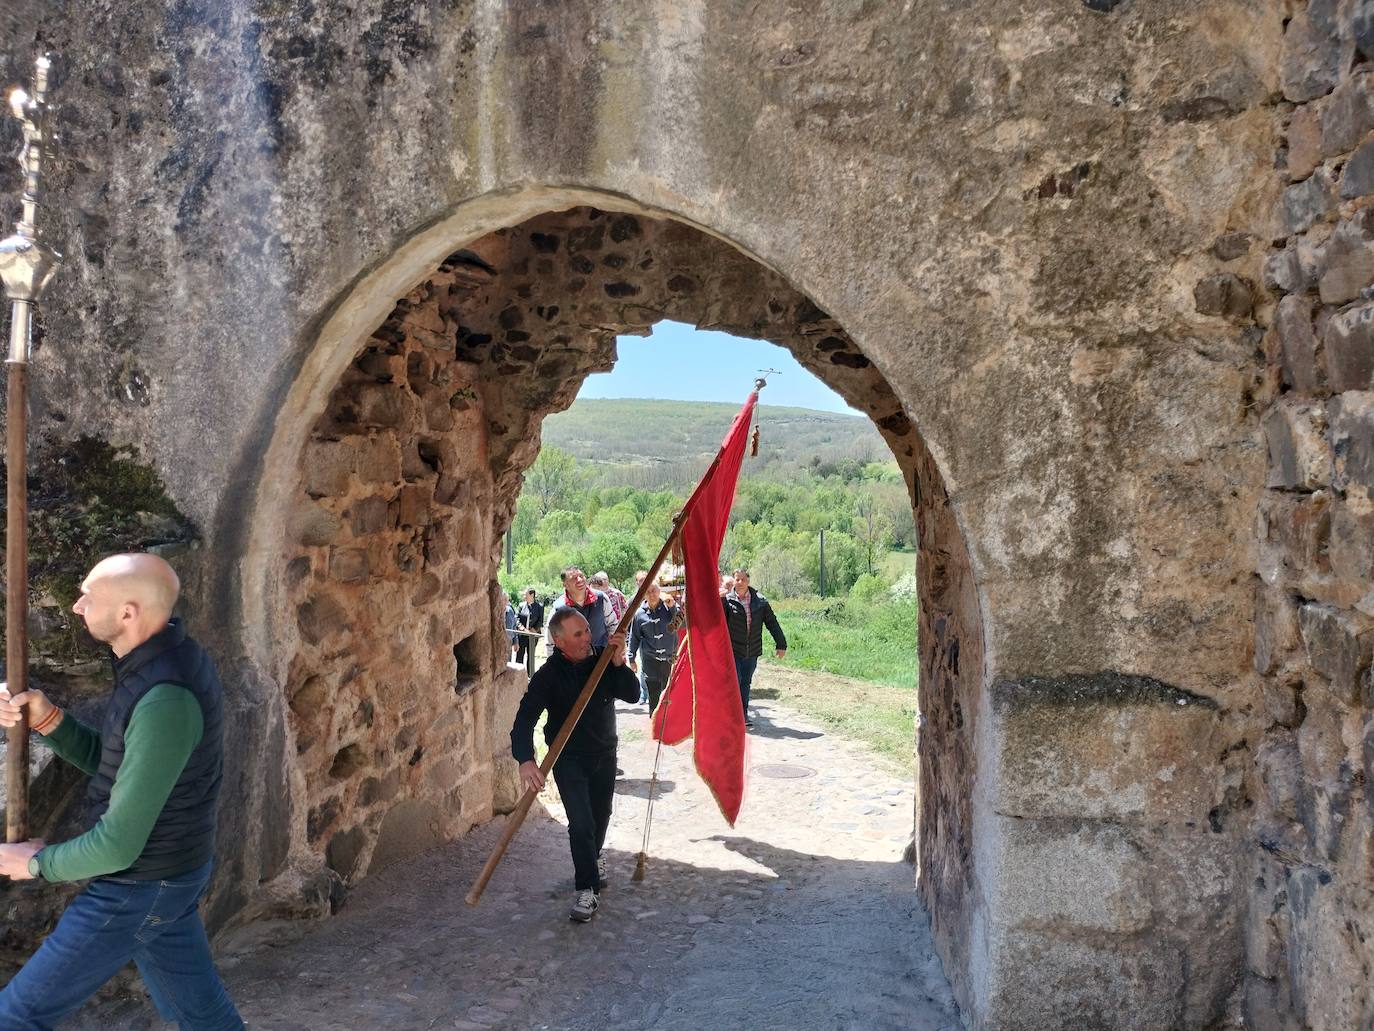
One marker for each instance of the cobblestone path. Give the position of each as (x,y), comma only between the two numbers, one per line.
(802,916)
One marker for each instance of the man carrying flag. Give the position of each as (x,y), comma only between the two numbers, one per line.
(706,701)
(586,771)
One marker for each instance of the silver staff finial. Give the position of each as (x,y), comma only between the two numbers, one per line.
(27,264)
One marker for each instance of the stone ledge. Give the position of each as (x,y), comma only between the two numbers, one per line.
(1103,746)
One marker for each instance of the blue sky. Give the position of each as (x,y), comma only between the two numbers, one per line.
(682,363)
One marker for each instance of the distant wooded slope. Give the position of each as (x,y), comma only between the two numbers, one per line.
(651,444)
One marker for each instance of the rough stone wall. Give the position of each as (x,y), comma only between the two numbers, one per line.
(950,641)
(1310,938)
(398,664)
(1033,221)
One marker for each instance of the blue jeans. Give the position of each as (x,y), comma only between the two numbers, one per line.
(154,923)
(744,670)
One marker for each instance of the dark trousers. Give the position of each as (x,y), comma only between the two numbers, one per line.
(586,784)
(522,645)
(655,673)
(154,923)
(744,670)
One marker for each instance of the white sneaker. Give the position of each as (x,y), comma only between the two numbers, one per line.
(584,906)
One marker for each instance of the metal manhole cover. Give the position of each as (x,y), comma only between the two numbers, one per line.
(782,772)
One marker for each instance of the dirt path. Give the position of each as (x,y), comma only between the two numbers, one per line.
(802,916)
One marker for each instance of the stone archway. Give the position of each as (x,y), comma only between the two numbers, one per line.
(408,478)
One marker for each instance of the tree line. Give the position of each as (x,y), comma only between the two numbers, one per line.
(567,514)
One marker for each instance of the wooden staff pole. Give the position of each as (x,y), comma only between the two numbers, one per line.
(517,817)
(17,599)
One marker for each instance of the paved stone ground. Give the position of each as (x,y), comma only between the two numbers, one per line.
(802,916)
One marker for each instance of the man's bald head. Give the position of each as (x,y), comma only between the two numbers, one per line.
(126,599)
(146,579)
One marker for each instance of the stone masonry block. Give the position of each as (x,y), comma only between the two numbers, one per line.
(1284,271)
(1085,874)
(1276,627)
(1280,697)
(1304,140)
(1104,746)
(413,505)
(1312,60)
(1346,265)
(1328,776)
(1357,179)
(1224,294)
(1191,877)
(1339,647)
(1298,344)
(1306,203)
(1347,115)
(368,515)
(1299,456)
(319,618)
(1351,547)
(410,826)
(1362,26)
(378,459)
(1230,246)
(1352,440)
(1328,961)
(325,467)
(378,404)
(1038,980)
(1294,534)
(1348,340)
(1279,766)
(314,525)
(349,565)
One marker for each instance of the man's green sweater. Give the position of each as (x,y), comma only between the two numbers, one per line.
(164,729)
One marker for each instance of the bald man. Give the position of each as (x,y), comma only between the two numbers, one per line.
(155,768)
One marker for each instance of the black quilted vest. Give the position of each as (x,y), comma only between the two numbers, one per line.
(183,838)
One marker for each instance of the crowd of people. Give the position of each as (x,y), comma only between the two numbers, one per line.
(653,637)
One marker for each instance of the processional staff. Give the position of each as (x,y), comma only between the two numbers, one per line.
(26,267)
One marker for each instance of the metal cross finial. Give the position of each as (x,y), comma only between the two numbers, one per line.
(760,383)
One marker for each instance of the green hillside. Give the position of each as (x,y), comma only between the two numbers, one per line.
(653,444)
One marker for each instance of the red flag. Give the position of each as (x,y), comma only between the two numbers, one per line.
(702,699)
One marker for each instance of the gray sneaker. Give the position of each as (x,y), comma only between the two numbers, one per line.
(584,906)
(601,883)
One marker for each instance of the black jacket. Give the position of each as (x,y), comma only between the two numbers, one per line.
(183,838)
(748,643)
(555,687)
(654,631)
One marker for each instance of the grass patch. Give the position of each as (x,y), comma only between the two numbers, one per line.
(836,635)
(873,646)
(896,564)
